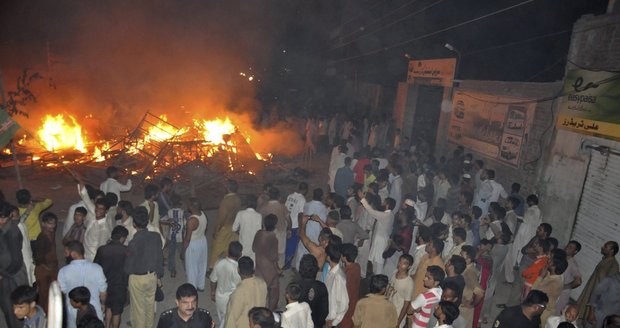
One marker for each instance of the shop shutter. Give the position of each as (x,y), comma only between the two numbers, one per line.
(598,217)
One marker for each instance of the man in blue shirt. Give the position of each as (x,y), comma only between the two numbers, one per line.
(81,272)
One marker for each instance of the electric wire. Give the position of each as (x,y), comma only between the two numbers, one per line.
(415,13)
(377,19)
(496,12)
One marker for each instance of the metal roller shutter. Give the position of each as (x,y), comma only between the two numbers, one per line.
(598,217)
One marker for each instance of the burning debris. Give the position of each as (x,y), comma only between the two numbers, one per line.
(154,147)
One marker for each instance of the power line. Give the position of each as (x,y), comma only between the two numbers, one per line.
(561,59)
(544,36)
(389,25)
(377,19)
(435,32)
(359,15)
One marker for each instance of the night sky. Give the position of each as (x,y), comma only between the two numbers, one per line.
(301,51)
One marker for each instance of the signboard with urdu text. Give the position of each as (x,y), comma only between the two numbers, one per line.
(590,103)
(438,72)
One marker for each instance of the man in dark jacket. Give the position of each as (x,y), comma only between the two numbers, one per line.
(12,270)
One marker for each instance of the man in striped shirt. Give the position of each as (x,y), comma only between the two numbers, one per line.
(422,306)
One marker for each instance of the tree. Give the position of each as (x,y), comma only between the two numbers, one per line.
(22,95)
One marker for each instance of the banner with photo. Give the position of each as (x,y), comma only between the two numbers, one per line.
(590,103)
(490,125)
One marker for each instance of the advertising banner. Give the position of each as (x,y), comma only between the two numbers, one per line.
(590,103)
(490,125)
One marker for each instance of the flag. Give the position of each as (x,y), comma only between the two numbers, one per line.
(8,128)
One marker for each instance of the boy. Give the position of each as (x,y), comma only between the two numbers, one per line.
(79,297)
(422,306)
(225,278)
(401,288)
(25,308)
(44,252)
(533,271)
(77,230)
(175,219)
(31,209)
(297,313)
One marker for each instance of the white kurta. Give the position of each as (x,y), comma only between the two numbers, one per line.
(27,253)
(115,187)
(336,283)
(227,278)
(381,234)
(247,223)
(531,220)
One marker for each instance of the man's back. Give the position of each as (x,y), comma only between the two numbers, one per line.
(144,254)
(297,315)
(251,292)
(82,273)
(111,258)
(374,311)
(226,276)
(315,294)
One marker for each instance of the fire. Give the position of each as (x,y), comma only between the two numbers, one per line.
(157,142)
(213,131)
(98,155)
(163,131)
(58,134)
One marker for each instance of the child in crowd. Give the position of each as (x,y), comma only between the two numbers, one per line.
(297,313)
(176,220)
(78,229)
(401,288)
(79,298)
(25,307)
(533,271)
(45,259)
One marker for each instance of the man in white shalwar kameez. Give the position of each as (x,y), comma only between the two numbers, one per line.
(525,231)
(381,233)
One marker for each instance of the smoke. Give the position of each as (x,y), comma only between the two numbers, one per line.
(111,61)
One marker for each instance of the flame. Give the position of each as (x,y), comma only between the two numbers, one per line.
(98,155)
(164,131)
(216,137)
(58,134)
(213,131)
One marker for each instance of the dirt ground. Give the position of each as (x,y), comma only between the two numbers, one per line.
(60,186)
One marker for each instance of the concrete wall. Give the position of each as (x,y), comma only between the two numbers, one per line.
(537,140)
(595,44)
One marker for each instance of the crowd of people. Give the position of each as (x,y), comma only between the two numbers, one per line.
(403,240)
